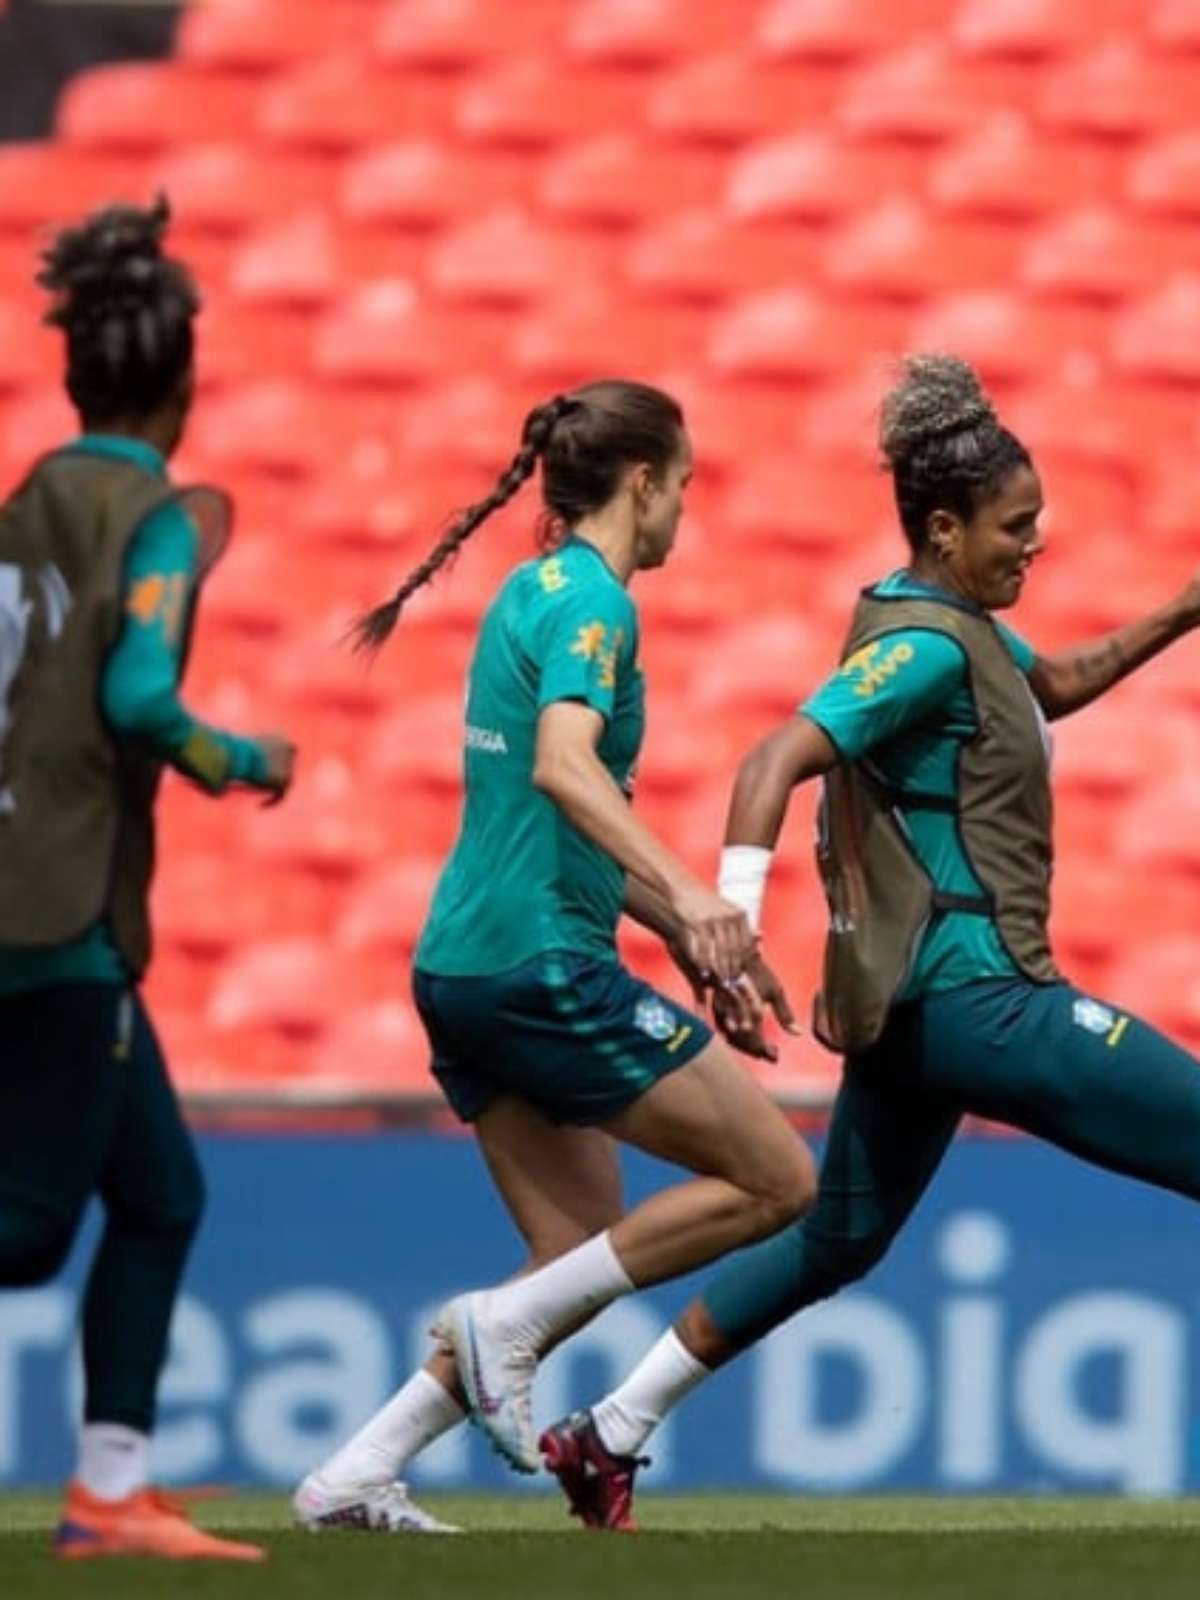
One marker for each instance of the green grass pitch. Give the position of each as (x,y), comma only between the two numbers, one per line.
(722,1547)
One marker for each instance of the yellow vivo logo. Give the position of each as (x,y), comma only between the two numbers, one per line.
(874,666)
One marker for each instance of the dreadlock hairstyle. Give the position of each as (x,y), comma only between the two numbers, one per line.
(584,440)
(943,443)
(126,310)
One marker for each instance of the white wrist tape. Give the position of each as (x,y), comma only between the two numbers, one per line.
(743,878)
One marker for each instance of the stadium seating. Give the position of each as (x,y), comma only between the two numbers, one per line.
(413,219)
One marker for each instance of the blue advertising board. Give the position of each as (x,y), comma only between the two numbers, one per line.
(1034,1329)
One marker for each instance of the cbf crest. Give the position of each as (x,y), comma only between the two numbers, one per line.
(654,1018)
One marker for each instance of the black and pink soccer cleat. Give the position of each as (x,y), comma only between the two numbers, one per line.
(597,1484)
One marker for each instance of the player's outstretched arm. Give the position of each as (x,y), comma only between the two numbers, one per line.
(1074,677)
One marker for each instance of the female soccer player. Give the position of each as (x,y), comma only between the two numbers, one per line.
(100,564)
(540,1037)
(935,848)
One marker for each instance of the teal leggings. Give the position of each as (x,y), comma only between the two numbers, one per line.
(86,1108)
(1086,1077)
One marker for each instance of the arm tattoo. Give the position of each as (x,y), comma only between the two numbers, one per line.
(1101,665)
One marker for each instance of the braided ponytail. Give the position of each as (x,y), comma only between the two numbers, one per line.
(126,310)
(371,630)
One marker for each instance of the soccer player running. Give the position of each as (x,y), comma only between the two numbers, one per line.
(100,566)
(935,847)
(540,1037)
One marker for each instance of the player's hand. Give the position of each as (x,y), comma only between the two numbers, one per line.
(739,1010)
(279,754)
(714,932)
(696,981)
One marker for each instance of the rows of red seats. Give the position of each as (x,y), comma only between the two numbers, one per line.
(414,218)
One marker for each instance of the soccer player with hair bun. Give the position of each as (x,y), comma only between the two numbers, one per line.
(101,561)
(540,1037)
(934,844)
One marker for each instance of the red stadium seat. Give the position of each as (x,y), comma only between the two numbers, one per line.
(446,35)
(788,334)
(238,344)
(1165,175)
(334,104)
(728,99)
(475,420)
(924,92)
(836,30)
(380,1048)
(386,911)
(274,427)
(1008,337)
(1115,751)
(805,501)
(704,255)
(1160,980)
(536,102)
(899,249)
(618,179)
(260,35)
(1159,337)
(292,262)
(813,177)
(649,33)
(1175,25)
(419,743)
(1100,253)
(584,333)
(506,257)
(1039,29)
(206,905)
(1102,909)
(763,666)
(1008,168)
(423,183)
(1118,91)
(294,987)
(383,334)
(43,183)
(1171,510)
(1080,420)
(29,352)
(230,187)
(146,106)
(331,828)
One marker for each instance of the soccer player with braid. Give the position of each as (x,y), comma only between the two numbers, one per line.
(540,1037)
(939,986)
(101,561)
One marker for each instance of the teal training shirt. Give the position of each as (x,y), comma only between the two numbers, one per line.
(906,701)
(139,696)
(521,879)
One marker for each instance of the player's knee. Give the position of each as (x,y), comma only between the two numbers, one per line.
(175,1210)
(785,1193)
(32,1249)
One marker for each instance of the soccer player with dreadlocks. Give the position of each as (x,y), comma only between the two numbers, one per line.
(101,560)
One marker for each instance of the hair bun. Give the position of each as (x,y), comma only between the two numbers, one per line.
(113,256)
(936,395)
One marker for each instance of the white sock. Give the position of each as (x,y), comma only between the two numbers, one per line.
(415,1416)
(540,1305)
(114,1461)
(627,1417)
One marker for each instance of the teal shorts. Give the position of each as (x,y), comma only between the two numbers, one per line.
(580,1038)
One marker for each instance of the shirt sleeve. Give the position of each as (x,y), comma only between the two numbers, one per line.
(1019,649)
(886,688)
(585,644)
(139,689)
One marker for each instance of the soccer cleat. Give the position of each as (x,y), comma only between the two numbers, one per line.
(143,1524)
(370,1507)
(496,1371)
(598,1484)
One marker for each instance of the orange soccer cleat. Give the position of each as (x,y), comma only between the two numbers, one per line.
(143,1524)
